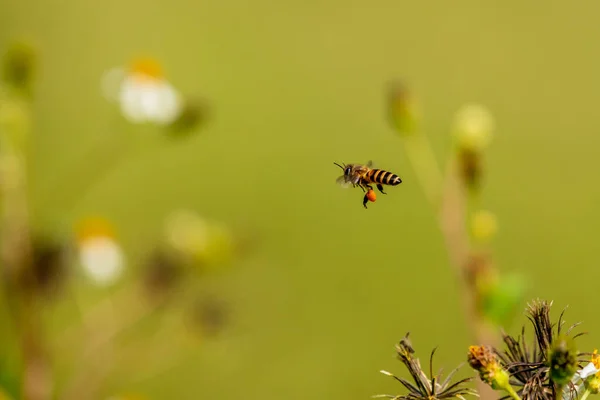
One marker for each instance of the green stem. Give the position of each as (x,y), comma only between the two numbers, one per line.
(559,391)
(512,392)
(425,166)
(585,394)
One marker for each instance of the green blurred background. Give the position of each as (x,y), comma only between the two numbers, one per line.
(295,86)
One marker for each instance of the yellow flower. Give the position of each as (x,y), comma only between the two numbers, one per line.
(596,361)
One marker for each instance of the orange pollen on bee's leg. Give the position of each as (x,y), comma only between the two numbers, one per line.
(147,68)
(371,195)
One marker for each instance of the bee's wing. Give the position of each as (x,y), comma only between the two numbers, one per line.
(343,182)
(370,164)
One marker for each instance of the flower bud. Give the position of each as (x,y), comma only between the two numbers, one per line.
(483,225)
(473,127)
(402,110)
(483,360)
(19,66)
(562,360)
(471,168)
(207,243)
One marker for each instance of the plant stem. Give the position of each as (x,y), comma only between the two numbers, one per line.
(16,251)
(425,166)
(585,394)
(449,198)
(509,389)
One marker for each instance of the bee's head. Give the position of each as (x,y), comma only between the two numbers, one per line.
(346,168)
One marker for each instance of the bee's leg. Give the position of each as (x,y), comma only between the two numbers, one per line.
(380,187)
(365,201)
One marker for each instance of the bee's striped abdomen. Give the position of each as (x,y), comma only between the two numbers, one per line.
(384,177)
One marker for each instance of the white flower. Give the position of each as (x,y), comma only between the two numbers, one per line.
(100,256)
(102,259)
(588,370)
(143,93)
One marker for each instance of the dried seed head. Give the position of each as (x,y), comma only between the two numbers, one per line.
(426,387)
(539,315)
(484,360)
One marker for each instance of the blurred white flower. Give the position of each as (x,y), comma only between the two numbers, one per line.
(143,93)
(474,126)
(100,256)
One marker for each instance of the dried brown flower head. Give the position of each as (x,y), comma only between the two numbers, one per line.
(426,387)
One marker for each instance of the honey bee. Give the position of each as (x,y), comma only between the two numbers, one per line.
(363,175)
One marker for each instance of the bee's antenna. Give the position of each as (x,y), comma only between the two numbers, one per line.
(339,165)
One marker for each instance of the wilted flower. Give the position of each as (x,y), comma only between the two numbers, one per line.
(100,255)
(425,387)
(143,93)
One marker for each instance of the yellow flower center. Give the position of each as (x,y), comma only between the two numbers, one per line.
(93,228)
(596,361)
(147,68)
